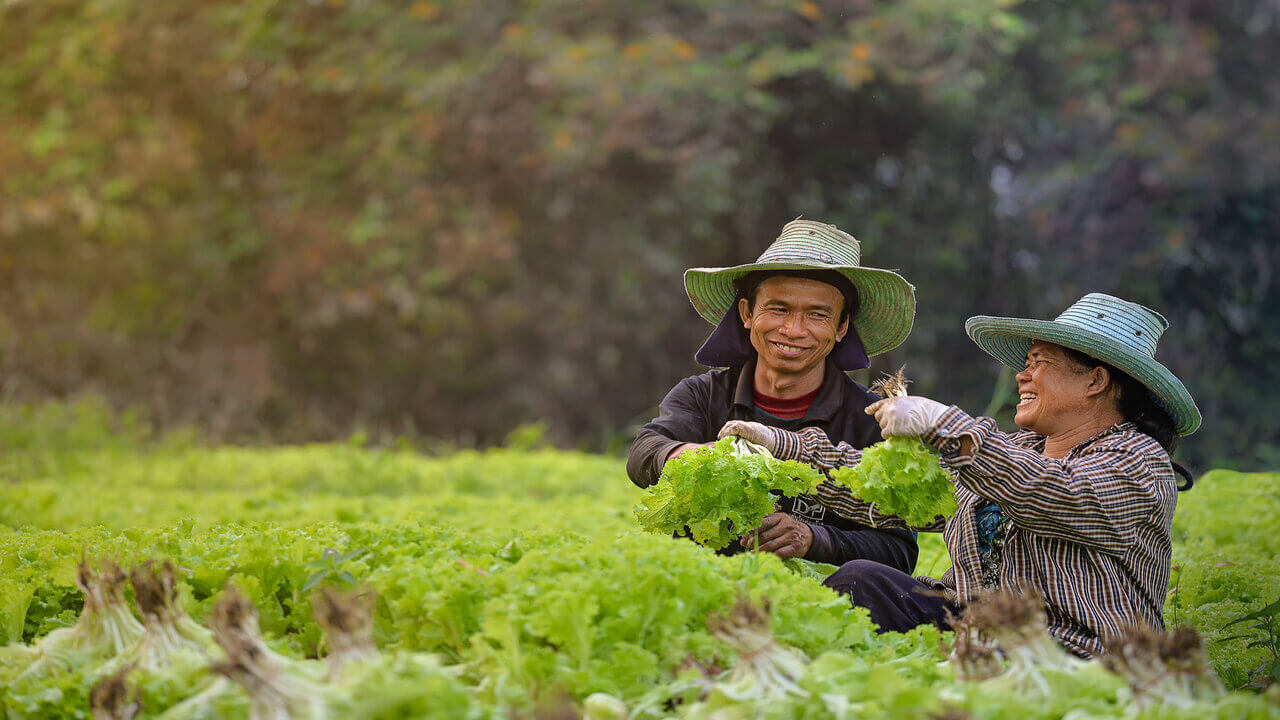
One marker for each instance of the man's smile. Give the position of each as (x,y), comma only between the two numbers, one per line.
(788,350)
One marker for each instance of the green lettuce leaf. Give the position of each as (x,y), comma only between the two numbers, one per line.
(720,494)
(903,477)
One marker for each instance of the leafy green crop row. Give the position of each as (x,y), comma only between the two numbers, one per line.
(525,572)
(532,612)
(1226,556)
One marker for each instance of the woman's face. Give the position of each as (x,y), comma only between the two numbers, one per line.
(1051,391)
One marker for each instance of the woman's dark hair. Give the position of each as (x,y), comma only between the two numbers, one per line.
(1139,407)
(748,284)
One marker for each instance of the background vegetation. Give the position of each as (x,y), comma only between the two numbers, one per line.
(284,220)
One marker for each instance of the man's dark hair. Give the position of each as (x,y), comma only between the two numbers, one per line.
(748,284)
(1138,406)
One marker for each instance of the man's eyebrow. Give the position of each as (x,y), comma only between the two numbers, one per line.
(807,308)
(819,306)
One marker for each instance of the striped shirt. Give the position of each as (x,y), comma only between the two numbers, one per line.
(1090,532)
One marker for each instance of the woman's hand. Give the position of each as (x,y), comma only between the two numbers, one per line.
(910,416)
(753,432)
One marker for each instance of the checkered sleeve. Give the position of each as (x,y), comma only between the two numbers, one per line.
(811,445)
(1097,499)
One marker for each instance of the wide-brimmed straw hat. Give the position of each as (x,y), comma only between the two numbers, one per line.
(1117,332)
(886,301)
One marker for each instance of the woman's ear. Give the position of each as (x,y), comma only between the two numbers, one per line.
(1099,382)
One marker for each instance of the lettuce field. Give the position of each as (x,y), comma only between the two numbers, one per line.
(167,579)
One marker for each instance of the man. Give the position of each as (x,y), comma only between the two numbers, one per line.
(790,324)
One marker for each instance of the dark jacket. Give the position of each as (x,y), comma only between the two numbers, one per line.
(696,409)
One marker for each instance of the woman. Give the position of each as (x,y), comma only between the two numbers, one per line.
(1077,507)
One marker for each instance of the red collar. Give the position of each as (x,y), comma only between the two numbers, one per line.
(788,408)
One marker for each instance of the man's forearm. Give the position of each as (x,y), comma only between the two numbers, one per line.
(648,454)
(895,548)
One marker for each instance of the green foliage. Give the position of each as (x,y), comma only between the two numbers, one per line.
(526,602)
(720,493)
(903,477)
(329,567)
(1264,633)
(403,685)
(1227,562)
(934,558)
(445,219)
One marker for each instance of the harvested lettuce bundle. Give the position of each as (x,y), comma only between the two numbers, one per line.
(901,476)
(899,676)
(279,687)
(721,492)
(347,620)
(766,670)
(1016,624)
(52,678)
(169,635)
(365,684)
(168,662)
(1163,668)
(113,699)
(1030,664)
(106,627)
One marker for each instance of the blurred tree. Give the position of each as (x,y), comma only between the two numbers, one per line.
(284,220)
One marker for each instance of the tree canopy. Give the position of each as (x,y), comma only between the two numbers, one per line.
(447,218)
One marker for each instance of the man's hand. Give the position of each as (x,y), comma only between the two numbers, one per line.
(910,416)
(753,432)
(782,535)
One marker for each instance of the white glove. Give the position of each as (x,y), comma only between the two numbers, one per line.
(910,416)
(752,432)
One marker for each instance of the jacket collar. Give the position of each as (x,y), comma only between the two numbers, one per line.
(825,405)
(1121,427)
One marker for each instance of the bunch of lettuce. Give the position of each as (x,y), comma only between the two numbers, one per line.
(356,681)
(1004,652)
(721,492)
(105,628)
(629,617)
(765,669)
(901,476)
(1163,668)
(899,676)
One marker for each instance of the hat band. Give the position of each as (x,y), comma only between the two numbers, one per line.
(804,259)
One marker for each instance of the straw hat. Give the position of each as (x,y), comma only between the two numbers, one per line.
(886,301)
(1120,333)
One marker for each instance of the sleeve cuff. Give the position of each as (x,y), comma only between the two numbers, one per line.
(788,444)
(664,451)
(955,425)
(823,547)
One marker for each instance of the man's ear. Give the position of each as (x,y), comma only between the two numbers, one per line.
(843,329)
(744,311)
(1099,382)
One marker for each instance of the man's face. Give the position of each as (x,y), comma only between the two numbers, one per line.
(794,324)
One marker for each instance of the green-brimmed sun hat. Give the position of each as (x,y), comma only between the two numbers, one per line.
(1117,332)
(886,301)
